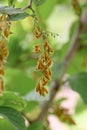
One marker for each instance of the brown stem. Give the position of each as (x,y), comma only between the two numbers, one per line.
(29,6)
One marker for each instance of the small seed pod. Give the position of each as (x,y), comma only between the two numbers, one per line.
(37,33)
(2,70)
(37,49)
(44,81)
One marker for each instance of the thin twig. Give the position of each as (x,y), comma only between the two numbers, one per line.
(29,6)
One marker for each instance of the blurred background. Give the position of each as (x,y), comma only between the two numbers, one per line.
(59,17)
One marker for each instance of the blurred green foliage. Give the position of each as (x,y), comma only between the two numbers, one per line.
(20,75)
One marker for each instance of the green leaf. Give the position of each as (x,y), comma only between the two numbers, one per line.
(19,16)
(12,100)
(6,125)
(14,13)
(14,117)
(11,2)
(38,2)
(78,83)
(35,126)
(10,10)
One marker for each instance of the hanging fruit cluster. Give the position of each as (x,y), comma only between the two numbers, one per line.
(44,62)
(4,33)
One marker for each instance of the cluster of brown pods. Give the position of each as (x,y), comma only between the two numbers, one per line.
(44,62)
(4,33)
